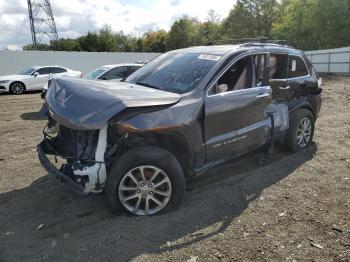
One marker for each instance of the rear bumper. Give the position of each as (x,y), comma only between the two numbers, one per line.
(60,176)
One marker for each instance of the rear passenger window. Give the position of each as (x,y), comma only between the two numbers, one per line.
(132,69)
(278,65)
(296,67)
(57,70)
(116,73)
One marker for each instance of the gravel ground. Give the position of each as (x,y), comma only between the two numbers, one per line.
(296,208)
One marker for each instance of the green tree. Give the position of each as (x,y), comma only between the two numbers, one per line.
(314,24)
(107,39)
(183,33)
(39,47)
(155,41)
(251,18)
(90,42)
(67,44)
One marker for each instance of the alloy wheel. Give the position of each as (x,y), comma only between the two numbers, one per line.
(145,190)
(304,132)
(17,88)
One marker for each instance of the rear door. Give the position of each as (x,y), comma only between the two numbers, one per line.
(58,71)
(235,117)
(278,76)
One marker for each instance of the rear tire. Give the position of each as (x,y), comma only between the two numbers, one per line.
(301,130)
(131,177)
(17,88)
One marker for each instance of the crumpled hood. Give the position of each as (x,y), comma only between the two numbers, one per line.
(87,104)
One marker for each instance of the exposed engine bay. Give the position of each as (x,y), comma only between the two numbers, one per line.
(83,150)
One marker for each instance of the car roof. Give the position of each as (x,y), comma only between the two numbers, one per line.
(225,49)
(37,67)
(122,64)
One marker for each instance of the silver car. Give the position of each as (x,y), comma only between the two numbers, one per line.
(113,72)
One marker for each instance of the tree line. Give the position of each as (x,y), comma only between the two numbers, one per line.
(305,24)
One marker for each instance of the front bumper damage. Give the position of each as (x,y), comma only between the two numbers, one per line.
(83,177)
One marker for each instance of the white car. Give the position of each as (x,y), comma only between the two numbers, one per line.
(113,72)
(33,78)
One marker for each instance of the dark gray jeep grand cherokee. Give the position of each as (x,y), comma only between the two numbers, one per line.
(184,112)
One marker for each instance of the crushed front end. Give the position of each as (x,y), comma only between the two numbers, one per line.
(82,136)
(77,156)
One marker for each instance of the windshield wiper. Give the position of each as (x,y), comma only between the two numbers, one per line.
(148,85)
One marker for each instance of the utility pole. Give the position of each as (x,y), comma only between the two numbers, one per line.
(42,23)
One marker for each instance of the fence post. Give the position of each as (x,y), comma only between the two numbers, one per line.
(329,61)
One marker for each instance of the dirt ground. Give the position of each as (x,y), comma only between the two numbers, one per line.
(296,208)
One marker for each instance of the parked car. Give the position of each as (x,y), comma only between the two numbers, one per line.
(113,72)
(108,72)
(186,111)
(33,78)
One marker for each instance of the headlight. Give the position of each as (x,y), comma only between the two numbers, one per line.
(4,81)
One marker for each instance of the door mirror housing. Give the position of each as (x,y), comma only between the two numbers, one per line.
(36,74)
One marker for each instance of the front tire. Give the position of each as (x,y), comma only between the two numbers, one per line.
(17,88)
(301,130)
(145,181)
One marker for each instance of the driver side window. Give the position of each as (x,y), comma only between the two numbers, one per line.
(241,75)
(43,71)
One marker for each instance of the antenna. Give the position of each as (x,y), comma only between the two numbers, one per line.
(42,23)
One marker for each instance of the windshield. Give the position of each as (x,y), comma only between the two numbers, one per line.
(27,71)
(174,72)
(96,73)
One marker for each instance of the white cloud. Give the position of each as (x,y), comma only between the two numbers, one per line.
(76,17)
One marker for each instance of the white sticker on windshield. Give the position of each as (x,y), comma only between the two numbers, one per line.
(294,65)
(209,57)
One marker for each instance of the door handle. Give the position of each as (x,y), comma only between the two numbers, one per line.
(283,87)
(265,95)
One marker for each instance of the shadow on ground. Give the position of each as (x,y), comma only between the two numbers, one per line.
(84,228)
(36,116)
(40,115)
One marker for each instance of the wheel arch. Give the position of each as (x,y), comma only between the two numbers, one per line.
(173,142)
(304,105)
(18,81)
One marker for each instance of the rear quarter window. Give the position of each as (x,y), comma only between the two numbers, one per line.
(296,67)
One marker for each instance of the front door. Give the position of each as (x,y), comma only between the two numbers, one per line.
(235,119)
(39,78)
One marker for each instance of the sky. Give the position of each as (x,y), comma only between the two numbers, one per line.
(76,17)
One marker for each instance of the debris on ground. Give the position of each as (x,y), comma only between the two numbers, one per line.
(193,259)
(282,214)
(316,245)
(40,227)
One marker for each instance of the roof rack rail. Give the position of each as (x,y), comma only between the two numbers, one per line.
(257,40)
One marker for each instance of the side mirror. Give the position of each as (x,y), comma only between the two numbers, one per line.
(36,74)
(222,88)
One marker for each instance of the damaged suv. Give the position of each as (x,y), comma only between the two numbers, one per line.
(186,111)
